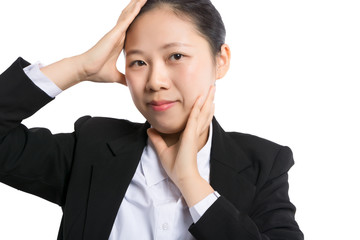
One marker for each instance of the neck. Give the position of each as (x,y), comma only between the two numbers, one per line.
(171,139)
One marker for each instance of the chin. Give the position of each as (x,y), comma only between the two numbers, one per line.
(168,127)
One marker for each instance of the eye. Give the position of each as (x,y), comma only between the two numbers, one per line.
(137,63)
(176,56)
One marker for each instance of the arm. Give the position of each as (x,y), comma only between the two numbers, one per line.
(34,160)
(271,215)
(99,63)
(180,159)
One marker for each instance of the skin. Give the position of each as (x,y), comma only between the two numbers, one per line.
(161,64)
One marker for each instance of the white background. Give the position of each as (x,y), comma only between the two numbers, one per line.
(294,79)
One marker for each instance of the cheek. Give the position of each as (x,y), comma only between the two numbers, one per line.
(135,83)
(194,79)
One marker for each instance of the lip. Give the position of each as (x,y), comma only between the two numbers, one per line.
(162,105)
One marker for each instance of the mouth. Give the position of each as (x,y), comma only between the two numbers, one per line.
(160,106)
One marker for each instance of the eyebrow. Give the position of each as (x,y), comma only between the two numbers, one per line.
(166,46)
(176,44)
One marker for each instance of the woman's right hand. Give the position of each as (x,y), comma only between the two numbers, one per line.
(99,63)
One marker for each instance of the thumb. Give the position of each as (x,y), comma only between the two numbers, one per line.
(156,140)
(120,78)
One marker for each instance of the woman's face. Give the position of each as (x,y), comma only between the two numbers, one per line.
(168,66)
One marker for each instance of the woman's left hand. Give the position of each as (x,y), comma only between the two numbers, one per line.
(180,160)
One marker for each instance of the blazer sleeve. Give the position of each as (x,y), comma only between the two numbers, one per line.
(31,160)
(272,215)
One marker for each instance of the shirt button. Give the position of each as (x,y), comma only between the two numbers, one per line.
(165,226)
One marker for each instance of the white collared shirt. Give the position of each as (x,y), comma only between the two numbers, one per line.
(153,207)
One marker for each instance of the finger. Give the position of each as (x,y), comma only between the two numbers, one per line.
(207,111)
(209,100)
(211,96)
(119,77)
(206,123)
(157,140)
(201,115)
(122,79)
(191,124)
(130,12)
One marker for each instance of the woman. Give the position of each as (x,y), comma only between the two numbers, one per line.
(177,172)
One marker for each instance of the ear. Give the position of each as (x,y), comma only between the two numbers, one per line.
(223,61)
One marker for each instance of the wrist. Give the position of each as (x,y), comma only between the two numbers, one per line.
(64,73)
(194,189)
(80,71)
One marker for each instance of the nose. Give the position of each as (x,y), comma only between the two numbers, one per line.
(158,79)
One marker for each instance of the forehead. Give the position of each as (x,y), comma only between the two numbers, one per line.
(161,26)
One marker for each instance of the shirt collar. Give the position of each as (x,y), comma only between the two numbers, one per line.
(154,172)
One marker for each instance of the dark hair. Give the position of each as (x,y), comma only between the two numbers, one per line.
(203,14)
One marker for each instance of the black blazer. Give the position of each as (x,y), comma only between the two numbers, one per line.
(88,171)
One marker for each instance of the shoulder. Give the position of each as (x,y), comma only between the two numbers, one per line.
(268,157)
(102,126)
(252,144)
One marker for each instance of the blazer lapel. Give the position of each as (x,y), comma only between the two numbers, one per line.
(110,182)
(230,169)
(229,166)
